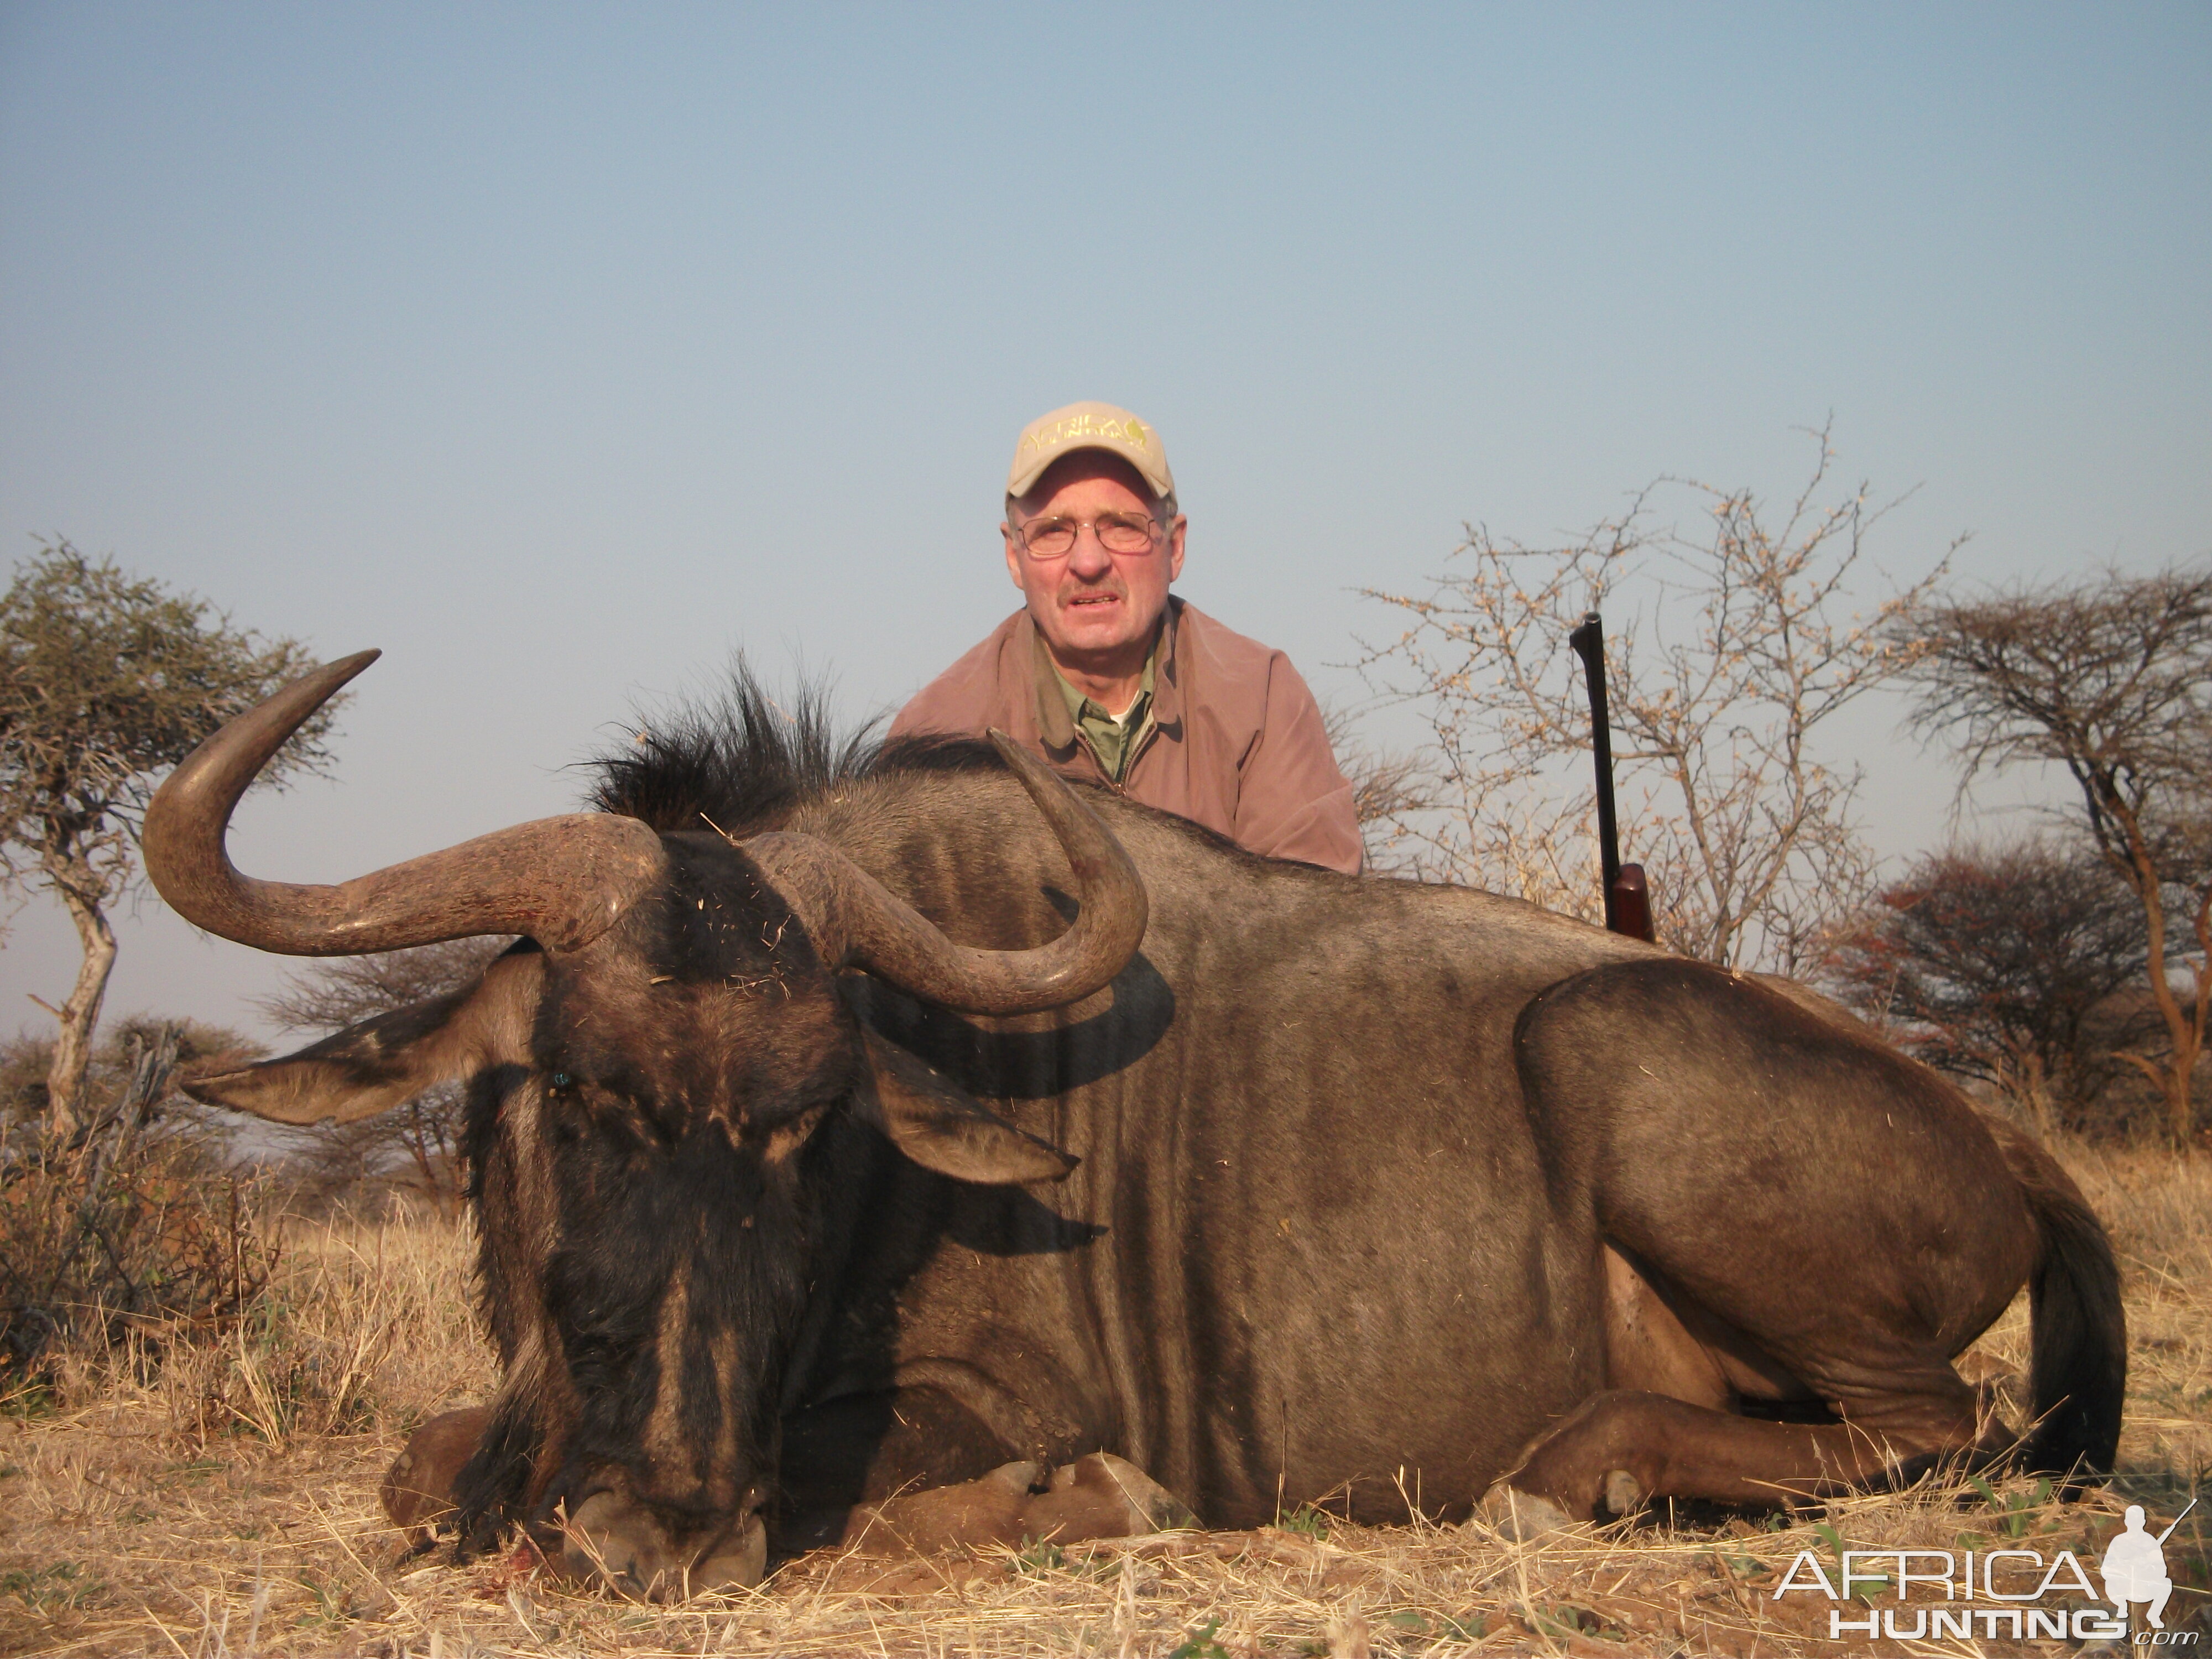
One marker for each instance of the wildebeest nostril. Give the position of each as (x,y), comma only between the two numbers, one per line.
(611,1538)
(738,1560)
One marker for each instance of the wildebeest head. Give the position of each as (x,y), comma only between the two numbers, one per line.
(647,1068)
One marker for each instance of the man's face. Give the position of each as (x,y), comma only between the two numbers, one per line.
(1092,604)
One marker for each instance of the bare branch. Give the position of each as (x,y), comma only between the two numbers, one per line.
(1726,657)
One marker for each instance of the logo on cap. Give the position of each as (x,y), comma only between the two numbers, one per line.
(1084,426)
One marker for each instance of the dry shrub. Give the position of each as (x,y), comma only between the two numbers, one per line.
(138,1522)
(107,1251)
(132,1223)
(124,1043)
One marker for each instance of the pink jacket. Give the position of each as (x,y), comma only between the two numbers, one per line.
(1235,745)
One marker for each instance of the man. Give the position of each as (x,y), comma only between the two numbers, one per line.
(1112,679)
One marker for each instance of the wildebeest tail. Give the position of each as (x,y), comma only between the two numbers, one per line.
(2078,1370)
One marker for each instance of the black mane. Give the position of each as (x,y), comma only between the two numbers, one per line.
(740,760)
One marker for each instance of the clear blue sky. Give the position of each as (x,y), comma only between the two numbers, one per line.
(558,349)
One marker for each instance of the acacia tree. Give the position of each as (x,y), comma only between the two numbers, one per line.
(2111,680)
(106,683)
(2001,965)
(1736,654)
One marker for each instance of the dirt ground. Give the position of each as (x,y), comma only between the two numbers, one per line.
(224,1503)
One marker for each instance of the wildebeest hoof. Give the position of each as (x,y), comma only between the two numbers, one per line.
(1521,1516)
(1102,1496)
(1022,1478)
(1161,1508)
(418,1488)
(988,1510)
(1624,1494)
(740,1564)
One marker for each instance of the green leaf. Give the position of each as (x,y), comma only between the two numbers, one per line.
(1306,1520)
(1201,1644)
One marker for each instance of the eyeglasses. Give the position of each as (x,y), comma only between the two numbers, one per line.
(1117,532)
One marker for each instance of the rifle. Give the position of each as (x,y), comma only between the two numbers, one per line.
(2176,1522)
(1627,899)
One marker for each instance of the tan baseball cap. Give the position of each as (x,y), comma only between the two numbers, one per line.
(1088,425)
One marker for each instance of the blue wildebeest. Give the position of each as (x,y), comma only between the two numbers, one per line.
(833,1136)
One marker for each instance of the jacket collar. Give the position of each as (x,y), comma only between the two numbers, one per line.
(1167,685)
(1054,725)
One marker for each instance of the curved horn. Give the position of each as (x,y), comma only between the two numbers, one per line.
(855,918)
(563,881)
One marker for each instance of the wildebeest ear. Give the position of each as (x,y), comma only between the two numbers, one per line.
(386,1061)
(941,1126)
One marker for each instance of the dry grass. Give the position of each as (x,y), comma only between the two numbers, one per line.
(224,1503)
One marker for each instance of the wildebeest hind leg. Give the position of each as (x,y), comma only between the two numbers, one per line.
(1624,1447)
(1829,1223)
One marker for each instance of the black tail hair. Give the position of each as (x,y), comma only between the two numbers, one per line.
(2078,1364)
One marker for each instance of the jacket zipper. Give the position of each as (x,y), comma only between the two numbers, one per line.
(1144,742)
(1104,776)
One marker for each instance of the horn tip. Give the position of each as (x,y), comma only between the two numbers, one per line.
(325,678)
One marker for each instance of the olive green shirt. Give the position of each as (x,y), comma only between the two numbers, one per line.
(1114,738)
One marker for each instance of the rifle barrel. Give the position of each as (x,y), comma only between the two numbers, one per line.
(1588,641)
(2176,1522)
